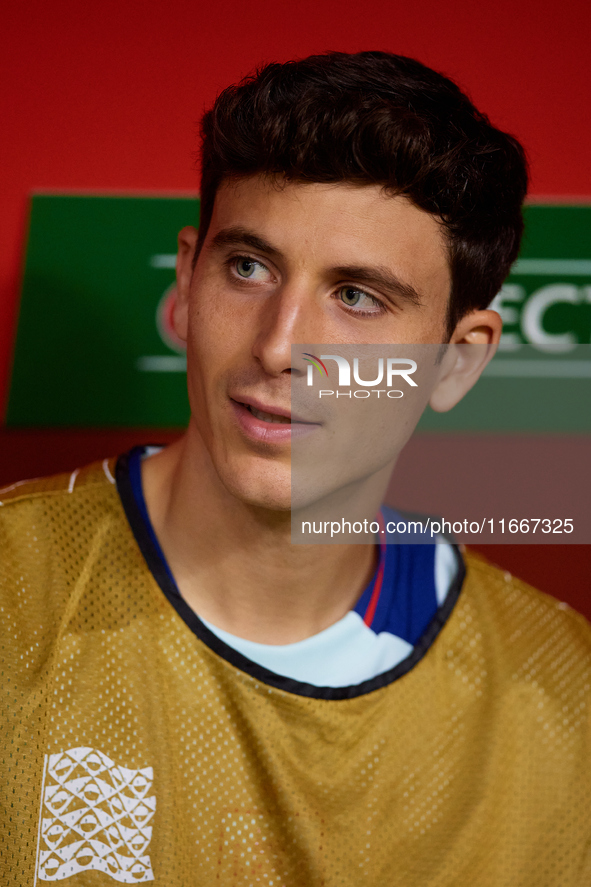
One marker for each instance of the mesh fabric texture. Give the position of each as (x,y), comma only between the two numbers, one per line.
(131,751)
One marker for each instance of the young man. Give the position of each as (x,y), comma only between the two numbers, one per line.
(191,699)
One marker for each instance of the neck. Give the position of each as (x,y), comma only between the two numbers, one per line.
(235,565)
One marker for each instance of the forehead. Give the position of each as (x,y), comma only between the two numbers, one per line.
(323,225)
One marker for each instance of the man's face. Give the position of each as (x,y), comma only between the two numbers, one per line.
(291,263)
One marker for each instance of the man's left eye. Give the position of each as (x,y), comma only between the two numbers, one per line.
(355,298)
(250,269)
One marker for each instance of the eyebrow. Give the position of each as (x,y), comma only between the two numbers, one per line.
(383,279)
(377,276)
(237,236)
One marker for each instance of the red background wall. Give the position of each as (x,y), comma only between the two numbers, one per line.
(108,96)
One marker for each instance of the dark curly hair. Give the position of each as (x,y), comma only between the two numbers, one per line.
(382,119)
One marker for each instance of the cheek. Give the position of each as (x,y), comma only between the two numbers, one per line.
(218,330)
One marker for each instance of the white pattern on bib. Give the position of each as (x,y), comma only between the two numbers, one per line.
(95,816)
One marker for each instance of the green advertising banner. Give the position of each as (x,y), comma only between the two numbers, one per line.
(95,346)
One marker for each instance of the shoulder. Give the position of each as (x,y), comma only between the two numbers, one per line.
(98,474)
(531,632)
(61,539)
(95,475)
(517,599)
(44,520)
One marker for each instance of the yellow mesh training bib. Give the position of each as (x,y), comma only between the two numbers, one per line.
(136,748)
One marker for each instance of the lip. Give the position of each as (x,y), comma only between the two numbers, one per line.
(268,432)
(262,407)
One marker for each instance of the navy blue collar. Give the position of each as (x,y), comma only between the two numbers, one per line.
(406,599)
(130,492)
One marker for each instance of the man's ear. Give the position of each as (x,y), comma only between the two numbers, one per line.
(187,241)
(473,344)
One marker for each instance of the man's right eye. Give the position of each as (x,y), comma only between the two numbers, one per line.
(250,269)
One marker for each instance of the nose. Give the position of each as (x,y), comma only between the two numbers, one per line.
(289,317)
